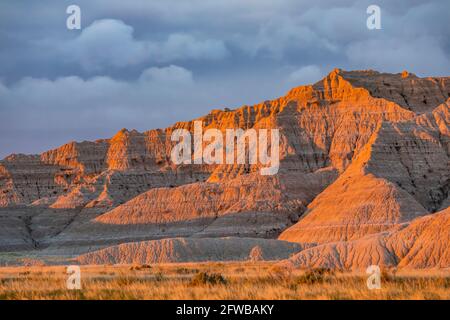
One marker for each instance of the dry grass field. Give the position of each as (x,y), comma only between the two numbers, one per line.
(237,280)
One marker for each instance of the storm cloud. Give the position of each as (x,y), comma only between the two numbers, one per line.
(148,63)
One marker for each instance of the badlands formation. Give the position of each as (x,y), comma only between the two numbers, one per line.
(364,179)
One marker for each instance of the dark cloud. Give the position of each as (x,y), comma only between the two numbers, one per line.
(147,63)
(68,104)
(110,43)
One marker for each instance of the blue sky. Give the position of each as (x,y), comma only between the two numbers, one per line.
(145,64)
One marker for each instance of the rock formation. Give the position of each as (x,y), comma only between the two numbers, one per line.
(401,173)
(362,153)
(422,243)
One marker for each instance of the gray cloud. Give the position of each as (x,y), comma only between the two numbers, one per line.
(71,104)
(111,43)
(106,43)
(307,75)
(276,37)
(41,102)
(422,55)
(147,63)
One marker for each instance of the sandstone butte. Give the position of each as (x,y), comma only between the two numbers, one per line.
(363,179)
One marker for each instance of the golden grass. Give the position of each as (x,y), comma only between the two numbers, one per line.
(242,280)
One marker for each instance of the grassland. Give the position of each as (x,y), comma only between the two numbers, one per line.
(244,280)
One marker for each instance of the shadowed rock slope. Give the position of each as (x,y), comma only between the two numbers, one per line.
(185,250)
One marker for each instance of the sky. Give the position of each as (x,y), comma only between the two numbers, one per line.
(145,64)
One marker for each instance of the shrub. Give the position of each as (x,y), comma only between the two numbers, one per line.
(281,272)
(186,271)
(204,278)
(141,267)
(159,276)
(388,274)
(312,276)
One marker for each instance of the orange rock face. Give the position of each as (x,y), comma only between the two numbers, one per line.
(361,154)
(401,173)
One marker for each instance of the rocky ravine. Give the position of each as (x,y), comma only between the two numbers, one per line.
(362,155)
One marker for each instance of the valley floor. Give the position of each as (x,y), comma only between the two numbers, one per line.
(217,280)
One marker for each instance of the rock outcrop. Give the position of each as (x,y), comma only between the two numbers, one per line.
(322,125)
(401,173)
(361,153)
